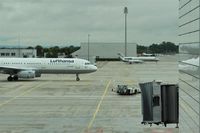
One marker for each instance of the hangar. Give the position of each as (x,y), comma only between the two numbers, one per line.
(104,50)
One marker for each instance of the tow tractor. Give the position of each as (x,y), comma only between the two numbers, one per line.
(125,90)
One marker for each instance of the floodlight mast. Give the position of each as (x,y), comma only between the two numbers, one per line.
(125,12)
(88,47)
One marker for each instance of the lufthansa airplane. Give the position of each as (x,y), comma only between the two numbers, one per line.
(34,67)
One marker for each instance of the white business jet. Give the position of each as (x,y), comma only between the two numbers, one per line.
(145,54)
(140,59)
(34,67)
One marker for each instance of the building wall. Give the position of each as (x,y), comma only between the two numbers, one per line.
(6,53)
(105,50)
(189,50)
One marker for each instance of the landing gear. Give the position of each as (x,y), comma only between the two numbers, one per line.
(11,78)
(77,77)
(15,78)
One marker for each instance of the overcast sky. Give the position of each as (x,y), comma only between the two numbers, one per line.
(63,22)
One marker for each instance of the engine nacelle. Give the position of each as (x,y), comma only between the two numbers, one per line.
(26,74)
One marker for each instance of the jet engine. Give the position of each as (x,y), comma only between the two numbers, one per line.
(26,74)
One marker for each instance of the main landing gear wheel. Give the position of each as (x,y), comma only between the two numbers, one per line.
(10,78)
(77,77)
(15,78)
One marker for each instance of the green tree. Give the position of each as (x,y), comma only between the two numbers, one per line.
(142,49)
(52,52)
(164,48)
(154,48)
(69,50)
(30,47)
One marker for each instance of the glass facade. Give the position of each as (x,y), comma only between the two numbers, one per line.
(189,49)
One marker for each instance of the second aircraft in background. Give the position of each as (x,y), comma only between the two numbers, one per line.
(140,59)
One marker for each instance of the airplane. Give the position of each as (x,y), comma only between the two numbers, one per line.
(145,54)
(26,68)
(140,59)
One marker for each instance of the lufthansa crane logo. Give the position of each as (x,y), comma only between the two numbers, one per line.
(61,61)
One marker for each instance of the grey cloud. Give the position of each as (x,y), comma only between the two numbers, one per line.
(6,38)
(72,20)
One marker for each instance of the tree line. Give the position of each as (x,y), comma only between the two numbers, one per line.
(162,48)
(52,52)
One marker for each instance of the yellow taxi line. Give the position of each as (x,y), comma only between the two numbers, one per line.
(98,106)
(22,94)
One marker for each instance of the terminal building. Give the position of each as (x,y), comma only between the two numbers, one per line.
(189,71)
(104,51)
(18,52)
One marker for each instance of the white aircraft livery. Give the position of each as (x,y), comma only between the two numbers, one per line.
(140,59)
(34,67)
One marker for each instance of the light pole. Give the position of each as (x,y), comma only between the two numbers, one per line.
(125,12)
(19,41)
(88,47)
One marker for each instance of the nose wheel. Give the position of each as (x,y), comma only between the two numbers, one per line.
(77,77)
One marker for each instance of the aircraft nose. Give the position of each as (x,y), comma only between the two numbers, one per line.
(94,68)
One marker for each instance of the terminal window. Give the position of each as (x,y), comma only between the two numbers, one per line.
(12,54)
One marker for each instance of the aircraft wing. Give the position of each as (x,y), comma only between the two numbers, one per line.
(135,61)
(11,69)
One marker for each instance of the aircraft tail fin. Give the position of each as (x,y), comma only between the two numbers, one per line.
(121,56)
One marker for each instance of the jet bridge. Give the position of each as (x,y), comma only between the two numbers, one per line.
(160,103)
